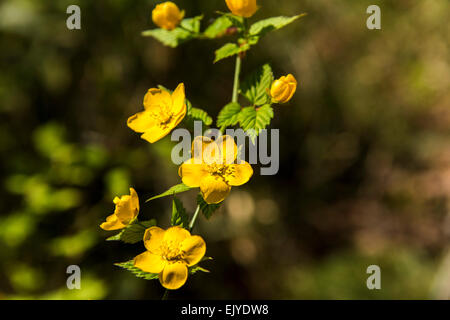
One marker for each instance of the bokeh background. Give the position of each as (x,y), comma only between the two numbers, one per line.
(365,151)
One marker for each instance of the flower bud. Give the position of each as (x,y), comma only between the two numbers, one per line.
(167,15)
(242,8)
(283,89)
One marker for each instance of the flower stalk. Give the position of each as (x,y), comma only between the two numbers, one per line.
(237,72)
(194,218)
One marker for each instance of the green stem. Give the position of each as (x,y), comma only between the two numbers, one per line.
(237,71)
(165,295)
(194,218)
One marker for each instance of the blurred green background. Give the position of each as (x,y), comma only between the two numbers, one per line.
(365,160)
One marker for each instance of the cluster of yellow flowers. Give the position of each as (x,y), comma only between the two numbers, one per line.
(169,252)
(213,168)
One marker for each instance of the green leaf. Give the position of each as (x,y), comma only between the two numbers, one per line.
(192,24)
(179,188)
(196,268)
(230,49)
(134,232)
(218,27)
(129,265)
(199,114)
(207,209)
(228,116)
(262,27)
(179,215)
(235,20)
(171,38)
(254,120)
(255,86)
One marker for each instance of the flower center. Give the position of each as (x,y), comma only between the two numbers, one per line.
(171,251)
(220,170)
(163,115)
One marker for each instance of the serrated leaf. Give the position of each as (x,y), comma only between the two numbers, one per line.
(237,21)
(254,120)
(199,114)
(262,27)
(218,27)
(192,24)
(134,232)
(207,209)
(247,118)
(228,116)
(229,50)
(196,268)
(179,188)
(171,38)
(179,215)
(255,86)
(129,265)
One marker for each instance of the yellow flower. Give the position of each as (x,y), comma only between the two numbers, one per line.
(167,15)
(127,209)
(169,253)
(283,89)
(242,8)
(212,168)
(162,113)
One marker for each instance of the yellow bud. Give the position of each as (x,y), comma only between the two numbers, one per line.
(283,89)
(242,8)
(167,15)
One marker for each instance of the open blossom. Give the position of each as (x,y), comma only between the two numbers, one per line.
(242,8)
(212,168)
(283,89)
(169,253)
(163,112)
(127,209)
(167,15)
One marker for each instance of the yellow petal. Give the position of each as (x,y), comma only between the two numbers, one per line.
(205,150)
(175,235)
(155,98)
(174,275)
(149,98)
(112,223)
(194,249)
(156,133)
(167,15)
(149,262)
(198,146)
(125,210)
(243,8)
(228,148)
(176,119)
(153,239)
(134,201)
(141,121)
(191,173)
(179,100)
(214,189)
(241,173)
(291,79)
